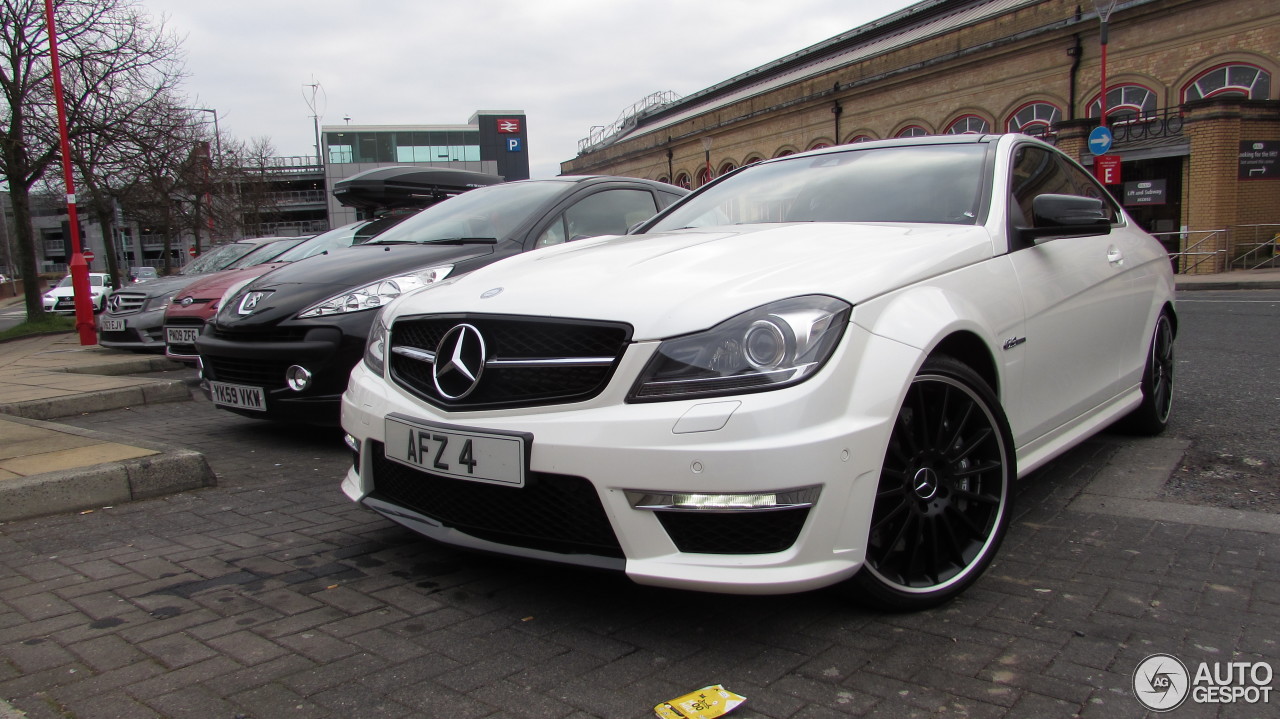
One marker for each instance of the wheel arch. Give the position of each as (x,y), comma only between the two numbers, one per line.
(968,348)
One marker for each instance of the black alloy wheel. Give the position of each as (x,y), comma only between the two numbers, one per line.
(945,492)
(1152,416)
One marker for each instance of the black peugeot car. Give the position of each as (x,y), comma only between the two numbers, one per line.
(283,346)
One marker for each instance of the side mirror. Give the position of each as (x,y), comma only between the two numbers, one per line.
(1066,216)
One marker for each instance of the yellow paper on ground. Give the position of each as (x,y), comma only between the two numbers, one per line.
(706,703)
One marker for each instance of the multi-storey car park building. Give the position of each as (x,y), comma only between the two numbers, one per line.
(1191,88)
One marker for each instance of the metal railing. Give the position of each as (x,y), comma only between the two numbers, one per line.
(1261,253)
(296,197)
(1186,261)
(286,229)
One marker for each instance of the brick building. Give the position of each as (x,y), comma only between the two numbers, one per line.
(1191,88)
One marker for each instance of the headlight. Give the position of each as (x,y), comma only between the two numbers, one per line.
(777,345)
(377,294)
(158,303)
(375,348)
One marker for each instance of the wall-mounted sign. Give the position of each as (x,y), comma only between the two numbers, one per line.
(509,125)
(514,144)
(1145,192)
(1259,160)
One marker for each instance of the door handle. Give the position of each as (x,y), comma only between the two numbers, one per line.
(1115,256)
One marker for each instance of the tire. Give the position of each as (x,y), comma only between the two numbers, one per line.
(1152,416)
(945,492)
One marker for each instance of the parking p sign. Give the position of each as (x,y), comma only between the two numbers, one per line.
(514,144)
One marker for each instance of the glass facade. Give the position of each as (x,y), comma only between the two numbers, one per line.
(392,146)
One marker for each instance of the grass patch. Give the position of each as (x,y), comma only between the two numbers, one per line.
(47,323)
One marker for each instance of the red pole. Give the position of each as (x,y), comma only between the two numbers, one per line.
(1103,38)
(79,268)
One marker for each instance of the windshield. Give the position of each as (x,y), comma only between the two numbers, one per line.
(917,183)
(488,212)
(217,258)
(265,253)
(345,236)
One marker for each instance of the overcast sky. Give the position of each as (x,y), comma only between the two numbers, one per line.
(568,64)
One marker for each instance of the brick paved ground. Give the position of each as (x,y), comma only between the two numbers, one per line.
(273,596)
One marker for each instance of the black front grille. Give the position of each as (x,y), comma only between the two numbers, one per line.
(513,338)
(734,532)
(257,372)
(552,512)
(267,334)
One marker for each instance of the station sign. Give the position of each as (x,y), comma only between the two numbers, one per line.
(1107,169)
(1145,192)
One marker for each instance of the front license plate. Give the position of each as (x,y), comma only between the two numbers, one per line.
(238,395)
(461,452)
(109,325)
(181,335)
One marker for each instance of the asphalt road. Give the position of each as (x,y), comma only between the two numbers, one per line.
(1227,399)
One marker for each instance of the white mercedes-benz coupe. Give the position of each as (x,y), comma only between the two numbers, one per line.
(822,368)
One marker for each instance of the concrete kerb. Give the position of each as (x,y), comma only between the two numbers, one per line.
(170,470)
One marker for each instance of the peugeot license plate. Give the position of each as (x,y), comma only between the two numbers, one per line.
(238,395)
(110,325)
(461,452)
(181,335)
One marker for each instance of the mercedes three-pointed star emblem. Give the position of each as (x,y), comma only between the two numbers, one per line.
(460,359)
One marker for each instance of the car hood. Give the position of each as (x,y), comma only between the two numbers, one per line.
(211,286)
(298,285)
(162,286)
(670,284)
(69,291)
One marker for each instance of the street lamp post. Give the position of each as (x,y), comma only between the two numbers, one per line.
(1104,8)
(79,267)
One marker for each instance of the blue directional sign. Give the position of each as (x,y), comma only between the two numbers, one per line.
(1100,140)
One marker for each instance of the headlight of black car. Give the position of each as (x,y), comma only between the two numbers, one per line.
(777,345)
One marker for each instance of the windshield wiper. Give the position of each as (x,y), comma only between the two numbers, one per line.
(463,241)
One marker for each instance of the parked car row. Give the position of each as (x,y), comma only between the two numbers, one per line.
(822,369)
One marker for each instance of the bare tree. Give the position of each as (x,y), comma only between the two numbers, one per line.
(116,62)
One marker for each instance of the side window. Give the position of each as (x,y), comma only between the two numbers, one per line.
(608,213)
(1036,171)
(554,234)
(605,213)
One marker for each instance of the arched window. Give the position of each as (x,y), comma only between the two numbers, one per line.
(704,176)
(1034,118)
(819,145)
(752,159)
(860,138)
(968,125)
(665,179)
(726,168)
(912,131)
(1235,79)
(784,153)
(682,180)
(1125,102)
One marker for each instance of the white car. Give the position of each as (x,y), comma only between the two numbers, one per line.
(823,368)
(61,297)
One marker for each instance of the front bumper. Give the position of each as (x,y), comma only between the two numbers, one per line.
(262,357)
(143,331)
(829,432)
